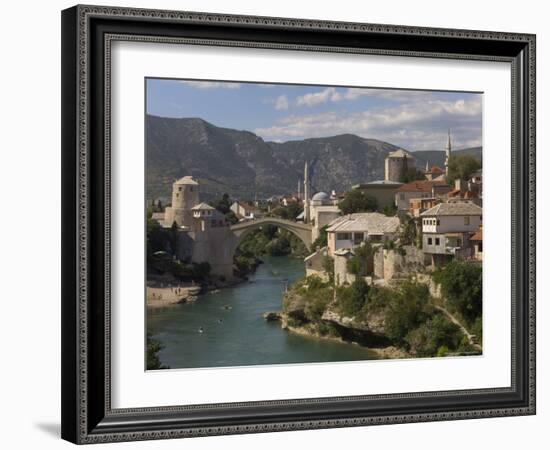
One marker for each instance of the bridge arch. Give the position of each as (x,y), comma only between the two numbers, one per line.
(301,230)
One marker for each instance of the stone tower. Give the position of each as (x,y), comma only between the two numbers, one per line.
(185,195)
(394,164)
(448,153)
(306,194)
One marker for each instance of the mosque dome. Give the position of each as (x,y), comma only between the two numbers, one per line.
(320,197)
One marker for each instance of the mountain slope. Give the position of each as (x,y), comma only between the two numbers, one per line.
(336,162)
(437,157)
(245,166)
(224,160)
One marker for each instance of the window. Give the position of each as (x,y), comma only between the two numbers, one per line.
(191,189)
(402,196)
(436,241)
(438,222)
(466,220)
(177,195)
(358,238)
(179,189)
(343,236)
(459,243)
(429,241)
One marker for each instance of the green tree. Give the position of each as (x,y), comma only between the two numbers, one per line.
(153,347)
(408,231)
(462,167)
(223,204)
(461,284)
(434,338)
(357,201)
(406,311)
(352,299)
(322,239)
(289,212)
(361,262)
(157,237)
(328,266)
(174,237)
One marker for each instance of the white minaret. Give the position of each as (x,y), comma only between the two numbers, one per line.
(448,153)
(299,189)
(427,166)
(306,194)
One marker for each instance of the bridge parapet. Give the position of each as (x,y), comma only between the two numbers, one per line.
(299,229)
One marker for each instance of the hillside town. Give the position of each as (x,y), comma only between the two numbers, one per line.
(392,264)
(423,223)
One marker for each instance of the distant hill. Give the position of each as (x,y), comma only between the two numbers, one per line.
(245,166)
(437,157)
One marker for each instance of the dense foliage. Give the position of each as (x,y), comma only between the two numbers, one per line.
(223,205)
(462,167)
(407,310)
(269,240)
(153,347)
(357,201)
(461,284)
(352,299)
(289,212)
(322,239)
(411,322)
(361,263)
(409,174)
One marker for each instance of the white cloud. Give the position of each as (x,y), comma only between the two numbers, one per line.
(211,84)
(316,98)
(418,126)
(332,94)
(281,102)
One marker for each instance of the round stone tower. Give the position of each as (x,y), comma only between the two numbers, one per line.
(395,163)
(185,195)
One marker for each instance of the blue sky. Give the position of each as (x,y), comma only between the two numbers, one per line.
(414,120)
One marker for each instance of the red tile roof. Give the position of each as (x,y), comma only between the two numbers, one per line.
(436,170)
(478,235)
(420,186)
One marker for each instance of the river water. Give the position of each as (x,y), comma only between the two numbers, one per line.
(240,336)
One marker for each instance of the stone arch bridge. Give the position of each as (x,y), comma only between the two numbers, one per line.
(299,229)
(217,246)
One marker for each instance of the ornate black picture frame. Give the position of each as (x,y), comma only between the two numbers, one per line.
(87,33)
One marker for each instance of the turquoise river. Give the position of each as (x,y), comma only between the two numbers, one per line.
(234,332)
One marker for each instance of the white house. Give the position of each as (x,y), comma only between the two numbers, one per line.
(351,230)
(446,230)
(245,210)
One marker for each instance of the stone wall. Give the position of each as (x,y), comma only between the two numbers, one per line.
(214,246)
(389,264)
(314,264)
(435,289)
(341,274)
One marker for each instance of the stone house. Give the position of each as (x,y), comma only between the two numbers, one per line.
(351,230)
(418,189)
(382,190)
(245,211)
(446,230)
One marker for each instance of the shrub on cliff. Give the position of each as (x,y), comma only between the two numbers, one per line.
(153,347)
(352,299)
(407,310)
(434,338)
(461,285)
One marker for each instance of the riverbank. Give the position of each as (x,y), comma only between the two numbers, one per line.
(226,328)
(394,322)
(158,297)
(389,352)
